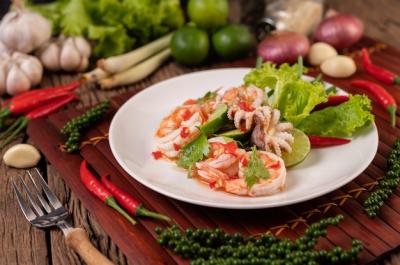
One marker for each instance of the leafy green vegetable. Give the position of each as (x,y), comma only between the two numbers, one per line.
(272,76)
(255,170)
(339,121)
(115,25)
(298,98)
(210,95)
(193,152)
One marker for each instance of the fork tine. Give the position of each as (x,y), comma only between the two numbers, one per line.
(44,203)
(50,195)
(30,197)
(26,210)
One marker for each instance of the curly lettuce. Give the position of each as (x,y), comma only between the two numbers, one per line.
(339,121)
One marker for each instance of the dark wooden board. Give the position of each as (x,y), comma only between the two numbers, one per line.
(380,235)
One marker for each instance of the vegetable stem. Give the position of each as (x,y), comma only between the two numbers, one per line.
(123,62)
(259,62)
(110,201)
(94,75)
(141,211)
(300,64)
(136,72)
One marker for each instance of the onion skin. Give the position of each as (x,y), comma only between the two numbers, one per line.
(341,31)
(283,47)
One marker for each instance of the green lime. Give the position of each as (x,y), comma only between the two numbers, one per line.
(300,149)
(208,14)
(190,45)
(232,41)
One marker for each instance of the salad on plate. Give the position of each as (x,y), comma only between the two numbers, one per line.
(241,141)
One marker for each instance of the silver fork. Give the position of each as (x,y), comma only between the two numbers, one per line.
(51,212)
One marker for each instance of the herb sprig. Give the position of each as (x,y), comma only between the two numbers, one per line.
(255,170)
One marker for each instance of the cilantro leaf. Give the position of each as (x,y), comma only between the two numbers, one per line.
(193,152)
(255,169)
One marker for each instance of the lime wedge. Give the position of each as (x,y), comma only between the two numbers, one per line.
(300,149)
(216,120)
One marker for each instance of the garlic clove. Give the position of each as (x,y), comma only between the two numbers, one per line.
(84,64)
(83,46)
(49,56)
(21,156)
(70,58)
(17,82)
(33,69)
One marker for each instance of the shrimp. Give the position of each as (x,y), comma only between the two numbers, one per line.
(213,172)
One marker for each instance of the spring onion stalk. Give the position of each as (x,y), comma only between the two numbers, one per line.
(117,64)
(94,75)
(137,72)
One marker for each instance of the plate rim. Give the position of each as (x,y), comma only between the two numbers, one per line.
(149,185)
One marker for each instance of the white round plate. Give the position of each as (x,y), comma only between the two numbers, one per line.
(133,128)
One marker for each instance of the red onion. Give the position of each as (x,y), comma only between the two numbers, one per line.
(341,31)
(283,47)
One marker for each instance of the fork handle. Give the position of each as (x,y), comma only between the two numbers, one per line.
(78,240)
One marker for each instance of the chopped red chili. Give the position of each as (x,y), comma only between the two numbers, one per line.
(213,185)
(275,165)
(233,177)
(186,115)
(244,106)
(185,132)
(244,161)
(177,147)
(230,148)
(157,155)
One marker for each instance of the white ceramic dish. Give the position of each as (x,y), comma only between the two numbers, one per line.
(132,141)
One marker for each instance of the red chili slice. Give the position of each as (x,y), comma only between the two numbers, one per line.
(185,132)
(244,106)
(213,184)
(230,148)
(177,147)
(244,161)
(157,155)
(186,115)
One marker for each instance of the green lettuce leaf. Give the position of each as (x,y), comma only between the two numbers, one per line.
(339,121)
(297,99)
(193,152)
(255,170)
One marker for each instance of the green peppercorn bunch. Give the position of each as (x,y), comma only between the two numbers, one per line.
(214,246)
(74,127)
(387,185)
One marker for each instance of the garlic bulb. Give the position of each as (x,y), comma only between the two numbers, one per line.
(18,72)
(24,31)
(68,54)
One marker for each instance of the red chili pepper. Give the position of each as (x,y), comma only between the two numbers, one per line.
(100,191)
(321,141)
(332,101)
(380,95)
(244,106)
(130,204)
(230,148)
(22,122)
(177,147)
(378,72)
(43,92)
(156,154)
(185,132)
(244,161)
(186,115)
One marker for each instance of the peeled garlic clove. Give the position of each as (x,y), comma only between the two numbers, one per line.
(319,52)
(49,56)
(21,156)
(83,46)
(70,58)
(33,69)
(84,64)
(339,66)
(17,82)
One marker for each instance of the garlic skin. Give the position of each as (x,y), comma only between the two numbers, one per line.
(24,31)
(19,72)
(68,54)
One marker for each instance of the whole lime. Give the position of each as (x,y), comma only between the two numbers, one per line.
(190,45)
(208,14)
(232,41)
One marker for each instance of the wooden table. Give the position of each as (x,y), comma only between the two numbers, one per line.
(23,244)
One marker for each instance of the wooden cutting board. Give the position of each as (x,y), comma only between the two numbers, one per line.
(379,236)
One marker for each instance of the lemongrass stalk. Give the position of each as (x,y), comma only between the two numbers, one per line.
(94,75)
(137,72)
(119,63)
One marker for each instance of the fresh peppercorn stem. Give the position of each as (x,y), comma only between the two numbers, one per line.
(110,201)
(141,211)
(392,111)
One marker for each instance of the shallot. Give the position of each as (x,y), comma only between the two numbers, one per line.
(283,47)
(341,31)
